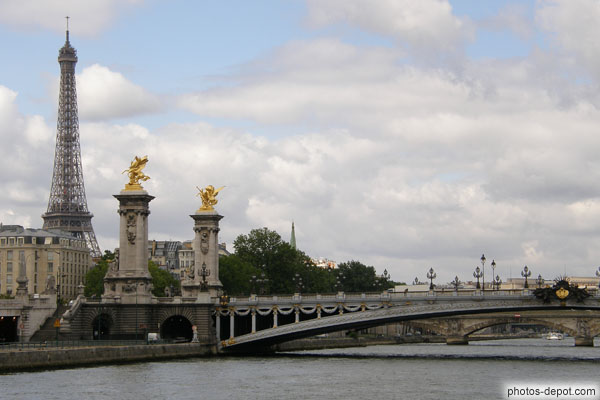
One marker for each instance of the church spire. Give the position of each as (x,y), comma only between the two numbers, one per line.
(293,238)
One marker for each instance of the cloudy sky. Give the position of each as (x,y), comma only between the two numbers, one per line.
(404,134)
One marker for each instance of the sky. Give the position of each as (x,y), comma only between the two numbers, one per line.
(407,135)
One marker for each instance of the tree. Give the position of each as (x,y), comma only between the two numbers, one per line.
(94,279)
(264,250)
(235,274)
(161,279)
(357,277)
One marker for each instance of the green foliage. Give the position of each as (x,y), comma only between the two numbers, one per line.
(262,251)
(94,279)
(161,279)
(235,274)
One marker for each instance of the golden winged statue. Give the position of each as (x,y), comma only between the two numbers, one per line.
(208,196)
(135,173)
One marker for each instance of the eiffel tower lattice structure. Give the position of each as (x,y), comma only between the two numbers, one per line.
(67,206)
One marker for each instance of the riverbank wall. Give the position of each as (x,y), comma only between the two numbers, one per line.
(52,358)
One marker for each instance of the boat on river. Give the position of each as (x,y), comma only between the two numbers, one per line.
(554,336)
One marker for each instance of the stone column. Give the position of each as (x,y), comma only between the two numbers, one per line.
(583,336)
(206,255)
(128,278)
(231,323)
(22,280)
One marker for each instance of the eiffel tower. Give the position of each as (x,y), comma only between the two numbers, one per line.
(67,206)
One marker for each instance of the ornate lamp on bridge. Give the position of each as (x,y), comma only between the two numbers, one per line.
(493,264)
(431,275)
(526,273)
(339,283)
(540,281)
(477,274)
(456,282)
(598,275)
(204,272)
(497,282)
(297,279)
(483,271)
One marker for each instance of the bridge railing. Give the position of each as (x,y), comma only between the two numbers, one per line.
(383,296)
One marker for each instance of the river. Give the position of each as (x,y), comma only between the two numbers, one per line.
(481,370)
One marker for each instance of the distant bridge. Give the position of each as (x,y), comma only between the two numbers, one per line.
(251,323)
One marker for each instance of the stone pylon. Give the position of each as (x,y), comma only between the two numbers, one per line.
(203,276)
(128,280)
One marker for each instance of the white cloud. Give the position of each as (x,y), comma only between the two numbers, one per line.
(26,161)
(408,166)
(392,163)
(427,26)
(105,94)
(88,17)
(573,27)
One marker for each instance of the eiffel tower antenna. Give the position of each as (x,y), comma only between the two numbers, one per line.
(67,206)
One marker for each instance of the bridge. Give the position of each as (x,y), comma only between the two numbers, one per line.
(255,322)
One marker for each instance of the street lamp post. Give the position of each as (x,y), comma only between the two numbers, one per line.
(477,274)
(483,271)
(526,273)
(204,273)
(497,282)
(431,275)
(598,275)
(136,312)
(339,285)
(456,282)
(493,264)
(56,320)
(297,279)
(540,281)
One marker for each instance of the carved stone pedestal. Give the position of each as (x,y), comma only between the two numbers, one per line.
(128,280)
(203,277)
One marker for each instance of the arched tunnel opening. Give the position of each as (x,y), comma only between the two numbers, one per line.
(176,327)
(8,329)
(101,327)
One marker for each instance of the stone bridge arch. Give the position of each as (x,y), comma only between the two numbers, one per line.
(552,324)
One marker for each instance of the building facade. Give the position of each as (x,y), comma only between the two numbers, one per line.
(42,254)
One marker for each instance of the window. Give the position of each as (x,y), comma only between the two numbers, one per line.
(8,279)
(3,242)
(50,256)
(11,241)
(50,267)
(9,267)
(20,241)
(9,255)
(33,240)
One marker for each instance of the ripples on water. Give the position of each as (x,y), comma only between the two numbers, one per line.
(420,371)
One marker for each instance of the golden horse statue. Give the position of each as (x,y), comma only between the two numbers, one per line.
(208,196)
(135,173)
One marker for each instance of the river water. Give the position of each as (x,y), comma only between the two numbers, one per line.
(481,370)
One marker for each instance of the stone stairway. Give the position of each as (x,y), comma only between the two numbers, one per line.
(48,332)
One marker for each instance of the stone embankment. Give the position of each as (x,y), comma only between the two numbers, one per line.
(51,358)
